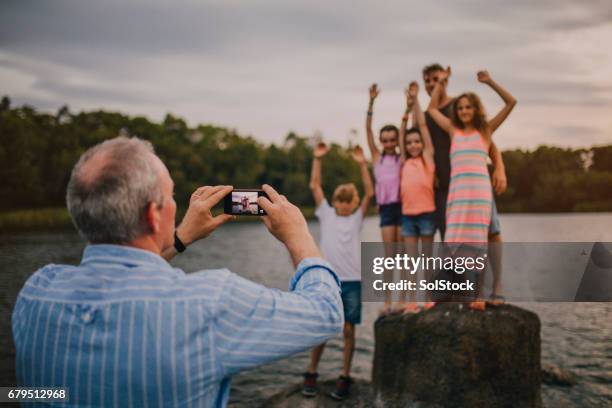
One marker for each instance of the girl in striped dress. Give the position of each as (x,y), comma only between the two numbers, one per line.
(468,209)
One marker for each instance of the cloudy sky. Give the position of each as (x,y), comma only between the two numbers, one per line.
(268,67)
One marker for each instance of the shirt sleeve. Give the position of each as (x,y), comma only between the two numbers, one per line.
(322,210)
(359,217)
(256,324)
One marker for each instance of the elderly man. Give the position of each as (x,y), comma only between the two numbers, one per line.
(124,328)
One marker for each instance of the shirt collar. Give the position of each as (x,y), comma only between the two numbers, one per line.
(122,254)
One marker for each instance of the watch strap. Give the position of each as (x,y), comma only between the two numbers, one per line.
(178,244)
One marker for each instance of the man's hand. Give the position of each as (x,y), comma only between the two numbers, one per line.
(500,182)
(199,222)
(373,92)
(320,150)
(443,76)
(358,155)
(286,222)
(484,77)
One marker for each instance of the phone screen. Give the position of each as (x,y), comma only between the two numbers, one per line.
(243,202)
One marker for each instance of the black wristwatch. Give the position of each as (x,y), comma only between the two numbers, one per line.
(178,244)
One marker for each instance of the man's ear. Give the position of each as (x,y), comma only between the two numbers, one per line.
(153,217)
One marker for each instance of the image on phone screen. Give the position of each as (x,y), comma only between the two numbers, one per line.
(243,202)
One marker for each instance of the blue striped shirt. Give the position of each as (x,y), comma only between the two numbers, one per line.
(124,328)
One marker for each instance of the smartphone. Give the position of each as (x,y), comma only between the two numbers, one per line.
(243,202)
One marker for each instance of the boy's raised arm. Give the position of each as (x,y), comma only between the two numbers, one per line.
(510,101)
(315,174)
(368,186)
(371,144)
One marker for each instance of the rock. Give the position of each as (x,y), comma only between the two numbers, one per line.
(553,375)
(451,356)
(360,397)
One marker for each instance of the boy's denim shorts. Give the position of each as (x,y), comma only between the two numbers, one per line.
(351,301)
(418,225)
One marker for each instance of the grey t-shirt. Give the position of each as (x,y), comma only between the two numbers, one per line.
(442,144)
(341,241)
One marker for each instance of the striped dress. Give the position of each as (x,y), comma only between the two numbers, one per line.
(468,209)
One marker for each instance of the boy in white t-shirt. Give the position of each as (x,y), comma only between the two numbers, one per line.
(340,245)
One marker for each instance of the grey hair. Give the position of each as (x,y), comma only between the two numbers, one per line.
(109,206)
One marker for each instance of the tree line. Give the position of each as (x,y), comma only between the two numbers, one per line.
(38,150)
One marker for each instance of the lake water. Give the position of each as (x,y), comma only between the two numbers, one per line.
(575,336)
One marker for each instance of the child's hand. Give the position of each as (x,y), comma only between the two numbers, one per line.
(373,92)
(411,93)
(358,155)
(320,150)
(500,182)
(413,89)
(484,77)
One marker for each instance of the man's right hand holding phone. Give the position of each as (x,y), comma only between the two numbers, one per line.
(287,223)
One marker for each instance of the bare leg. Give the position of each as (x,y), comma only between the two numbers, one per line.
(479,303)
(390,235)
(495,256)
(349,348)
(409,297)
(427,246)
(315,357)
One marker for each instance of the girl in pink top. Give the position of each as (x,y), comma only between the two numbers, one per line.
(417,182)
(387,166)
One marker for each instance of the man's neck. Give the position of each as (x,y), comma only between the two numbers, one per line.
(145,243)
(444,100)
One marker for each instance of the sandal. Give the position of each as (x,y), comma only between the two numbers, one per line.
(478,305)
(496,300)
(386,310)
(411,308)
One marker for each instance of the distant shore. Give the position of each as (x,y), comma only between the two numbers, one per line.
(56,218)
(34,219)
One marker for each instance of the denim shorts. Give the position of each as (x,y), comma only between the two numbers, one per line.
(418,225)
(351,301)
(494,226)
(390,214)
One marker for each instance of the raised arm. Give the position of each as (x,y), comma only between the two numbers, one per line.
(315,174)
(433,110)
(419,116)
(359,157)
(371,144)
(402,131)
(509,100)
(499,179)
